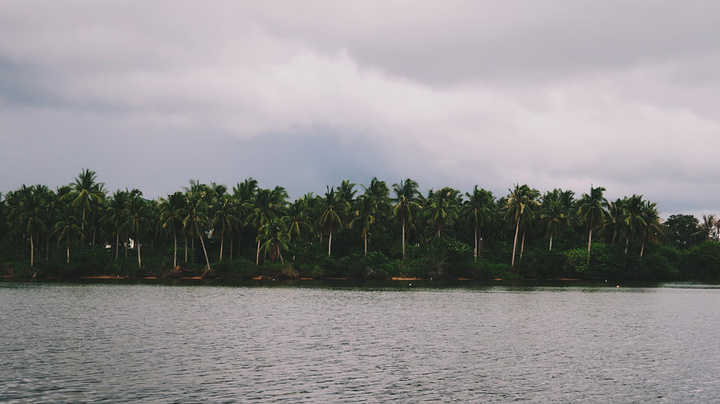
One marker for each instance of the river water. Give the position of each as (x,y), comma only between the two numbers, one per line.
(371,342)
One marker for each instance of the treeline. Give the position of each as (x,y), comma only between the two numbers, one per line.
(372,231)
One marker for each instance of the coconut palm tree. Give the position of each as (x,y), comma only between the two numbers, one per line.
(243,196)
(265,206)
(552,215)
(224,218)
(707,225)
(87,193)
(25,215)
(331,216)
(172,213)
(364,216)
(116,216)
(442,209)
(592,212)
(67,229)
(477,209)
(299,217)
(651,225)
(521,207)
(137,219)
(274,237)
(406,205)
(631,222)
(196,221)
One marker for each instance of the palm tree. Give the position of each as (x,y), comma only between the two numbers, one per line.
(265,206)
(137,219)
(67,229)
(552,215)
(631,222)
(406,204)
(224,218)
(478,210)
(25,214)
(116,214)
(442,209)
(330,218)
(47,211)
(521,205)
(243,196)
(346,192)
(616,212)
(652,226)
(196,219)
(707,224)
(300,224)
(274,238)
(365,216)
(592,212)
(87,194)
(172,213)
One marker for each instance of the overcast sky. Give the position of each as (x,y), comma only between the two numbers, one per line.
(304,94)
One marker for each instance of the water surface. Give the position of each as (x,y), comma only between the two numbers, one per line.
(409,342)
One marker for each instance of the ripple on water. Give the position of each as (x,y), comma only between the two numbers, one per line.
(79,343)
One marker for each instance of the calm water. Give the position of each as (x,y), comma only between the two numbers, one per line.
(371,343)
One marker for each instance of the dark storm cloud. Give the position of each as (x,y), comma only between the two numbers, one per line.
(305,94)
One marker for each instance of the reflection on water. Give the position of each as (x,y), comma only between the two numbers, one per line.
(338,342)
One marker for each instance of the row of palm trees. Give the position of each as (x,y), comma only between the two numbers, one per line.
(82,213)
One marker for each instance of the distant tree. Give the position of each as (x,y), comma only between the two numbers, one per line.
(592,212)
(522,205)
(331,217)
(552,215)
(172,213)
(25,215)
(682,230)
(707,226)
(406,204)
(477,209)
(442,209)
(87,193)
(138,220)
(67,229)
(364,216)
(274,238)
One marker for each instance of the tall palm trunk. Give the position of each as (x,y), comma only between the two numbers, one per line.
(517,229)
(627,242)
(186,249)
(32,252)
(589,245)
(175,251)
(522,244)
(365,239)
(476,244)
(117,245)
(642,249)
(257,254)
(550,249)
(222,243)
(403,235)
(330,244)
(207,261)
(67,252)
(137,242)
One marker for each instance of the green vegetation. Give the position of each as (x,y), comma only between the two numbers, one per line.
(374,231)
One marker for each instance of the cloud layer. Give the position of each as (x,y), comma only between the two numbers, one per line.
(304,94)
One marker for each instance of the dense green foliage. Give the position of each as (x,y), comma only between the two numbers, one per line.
(374,231)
